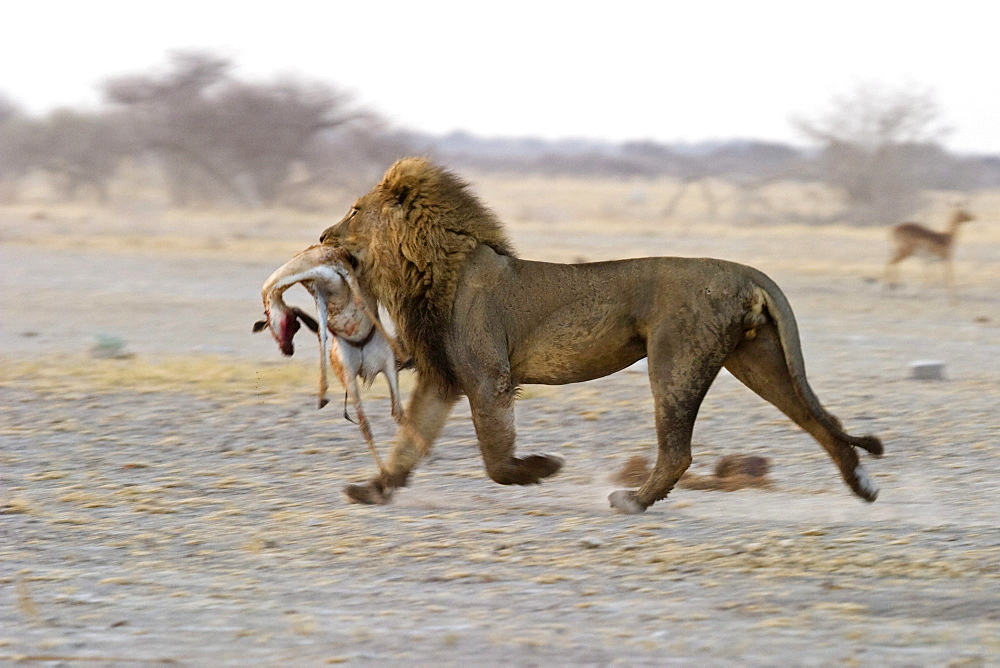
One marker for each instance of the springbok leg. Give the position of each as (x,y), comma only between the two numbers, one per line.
(366,431)
(324,347)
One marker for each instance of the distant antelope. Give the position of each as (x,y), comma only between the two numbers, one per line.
(915,239)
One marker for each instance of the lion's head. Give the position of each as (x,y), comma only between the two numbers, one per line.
(412,234)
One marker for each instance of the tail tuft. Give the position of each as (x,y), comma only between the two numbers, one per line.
(870,443)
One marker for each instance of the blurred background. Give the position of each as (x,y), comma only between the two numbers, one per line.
(864,109)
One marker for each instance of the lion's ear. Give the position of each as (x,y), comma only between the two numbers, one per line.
(400,193)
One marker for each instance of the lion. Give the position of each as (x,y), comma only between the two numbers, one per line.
(480,322)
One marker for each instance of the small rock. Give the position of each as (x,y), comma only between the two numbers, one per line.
(108,346)
(927,370)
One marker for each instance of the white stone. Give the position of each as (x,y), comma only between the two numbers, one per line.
(927,370)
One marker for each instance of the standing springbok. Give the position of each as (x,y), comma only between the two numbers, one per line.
(361,345)
(915,239)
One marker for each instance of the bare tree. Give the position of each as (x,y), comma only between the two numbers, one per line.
(76,149)
(8,108)
(14,155)
(79,149)
(218,136)
(878,146)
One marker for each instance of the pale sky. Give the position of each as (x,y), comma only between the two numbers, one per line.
(620,69)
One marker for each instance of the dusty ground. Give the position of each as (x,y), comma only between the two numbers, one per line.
(183,505)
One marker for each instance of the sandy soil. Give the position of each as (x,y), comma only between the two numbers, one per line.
(183,505)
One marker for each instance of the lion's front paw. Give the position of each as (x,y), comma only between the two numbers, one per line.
(624,502)
(370,493)
(542,466)
(525,470)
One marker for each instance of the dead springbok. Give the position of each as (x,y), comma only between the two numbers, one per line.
(361,345)
(915,239)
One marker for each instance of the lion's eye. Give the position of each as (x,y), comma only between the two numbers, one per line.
(354,212)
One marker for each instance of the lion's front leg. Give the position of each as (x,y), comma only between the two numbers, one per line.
(492,405)
(424,419)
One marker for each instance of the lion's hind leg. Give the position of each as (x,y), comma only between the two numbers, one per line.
(678,389)
(760,365)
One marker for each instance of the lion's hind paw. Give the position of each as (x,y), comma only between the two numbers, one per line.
(624,501)
(368,493)
(862,484)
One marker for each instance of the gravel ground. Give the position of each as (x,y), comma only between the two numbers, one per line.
(150,516)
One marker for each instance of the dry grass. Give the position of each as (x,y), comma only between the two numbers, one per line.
(202,375)
(196,374)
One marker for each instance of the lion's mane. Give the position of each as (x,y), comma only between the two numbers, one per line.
(430,224)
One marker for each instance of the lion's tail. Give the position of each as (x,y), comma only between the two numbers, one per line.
(780,311)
